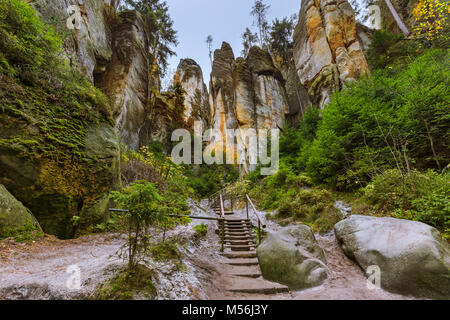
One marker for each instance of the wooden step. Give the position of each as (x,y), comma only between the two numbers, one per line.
(234,238)
(245,271)
(240,247)
(243,262)
(256,286)
(238,222)
(239,255)
(240,242)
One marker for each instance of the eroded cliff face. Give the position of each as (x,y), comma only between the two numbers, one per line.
(196,103)
(111,50)
(246,93)
(88,47)
(327,52)
(126,79)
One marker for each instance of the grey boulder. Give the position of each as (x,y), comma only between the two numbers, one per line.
(414,259)
(293,257)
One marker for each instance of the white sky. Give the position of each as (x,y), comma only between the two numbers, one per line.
(225,20)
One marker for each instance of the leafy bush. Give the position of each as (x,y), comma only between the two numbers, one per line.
(418,196)
(25,41)
(201,230)
(143,202)
(128,283)
(165,250)
(26,233)
(395,119)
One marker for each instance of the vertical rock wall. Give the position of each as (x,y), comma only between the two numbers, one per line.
(327,52)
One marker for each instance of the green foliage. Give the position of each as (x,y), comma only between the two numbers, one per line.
(126,284)
(281,37)
(27,233)
(416,196)
(395,119)
(201,230)
(161,33)
(292,196)
(144,204)
(165,250)
(206,180)
(26,43)
(387,48)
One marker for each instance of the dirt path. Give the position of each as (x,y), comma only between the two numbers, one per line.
(346,280)
(39,270)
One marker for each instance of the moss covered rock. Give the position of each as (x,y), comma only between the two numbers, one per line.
(293,257)
(13,214)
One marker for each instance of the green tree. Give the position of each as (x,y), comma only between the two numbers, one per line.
(209,42)
(249,39)
(142,201)
(161,33)
(259,12)
(281,37)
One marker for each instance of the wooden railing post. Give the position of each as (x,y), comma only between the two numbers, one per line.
(246,206)
(223,236)
(259,232)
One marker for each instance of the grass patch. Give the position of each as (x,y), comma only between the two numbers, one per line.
(127,284)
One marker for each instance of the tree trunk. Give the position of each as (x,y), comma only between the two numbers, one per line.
(397,19)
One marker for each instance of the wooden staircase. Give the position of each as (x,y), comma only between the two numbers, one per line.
(238,242)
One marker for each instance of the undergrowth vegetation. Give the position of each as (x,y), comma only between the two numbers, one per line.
(382,144)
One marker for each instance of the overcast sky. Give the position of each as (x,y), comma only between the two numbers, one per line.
(225,20)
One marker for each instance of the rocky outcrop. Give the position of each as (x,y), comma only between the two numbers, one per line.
(413,257)
(126,79)
(88,46)
(293,257)
(246,93)
(327,52)
(196,103)
(13,214)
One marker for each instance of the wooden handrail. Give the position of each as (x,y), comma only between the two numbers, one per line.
(254,209)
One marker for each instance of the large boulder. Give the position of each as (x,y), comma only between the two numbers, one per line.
(413,257)
(293,257)
(13,214)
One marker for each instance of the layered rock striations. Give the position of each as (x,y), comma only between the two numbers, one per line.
(196,104)
(327,52)
(246,94)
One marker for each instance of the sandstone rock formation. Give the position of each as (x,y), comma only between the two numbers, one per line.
(293,257)
(126,79)
(414,259)
(246,93)
(327,52)
(88,46)
(13,214)
(196,104)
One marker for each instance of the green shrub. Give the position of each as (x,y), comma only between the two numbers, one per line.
(26,233)
(165,250)
(423,197)
(127,283)
(396,119)
(201,230)
(25,41)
